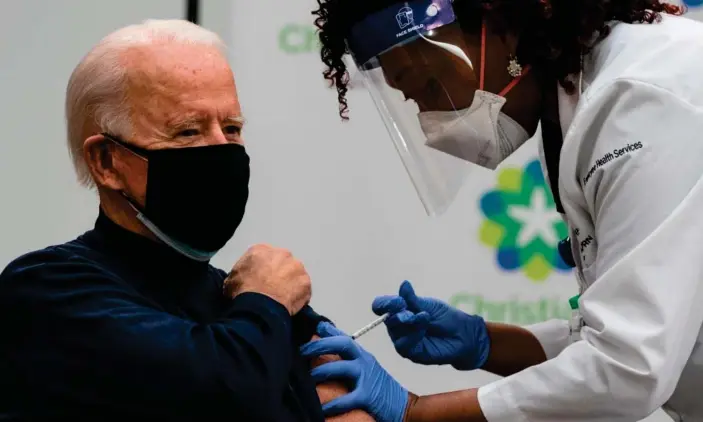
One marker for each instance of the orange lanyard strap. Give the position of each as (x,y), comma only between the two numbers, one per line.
(482,76)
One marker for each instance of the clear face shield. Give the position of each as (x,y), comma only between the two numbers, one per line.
(427,82)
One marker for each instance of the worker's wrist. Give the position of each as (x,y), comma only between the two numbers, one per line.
(492,330)
(412,402)
(459,405)
(511,349)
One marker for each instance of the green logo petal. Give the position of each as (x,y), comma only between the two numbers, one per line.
(522,224)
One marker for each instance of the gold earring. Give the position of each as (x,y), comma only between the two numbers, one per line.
(514,67)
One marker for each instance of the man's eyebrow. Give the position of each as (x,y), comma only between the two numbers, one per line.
(240,120)
(187,120)
(196,119)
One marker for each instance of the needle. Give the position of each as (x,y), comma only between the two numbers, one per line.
(370,326)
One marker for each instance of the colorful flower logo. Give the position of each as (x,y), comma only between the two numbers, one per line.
(522,223)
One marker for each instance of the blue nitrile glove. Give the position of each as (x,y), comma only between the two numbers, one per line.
(430,332)
(375,391)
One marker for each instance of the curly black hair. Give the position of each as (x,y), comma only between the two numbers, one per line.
(553,33)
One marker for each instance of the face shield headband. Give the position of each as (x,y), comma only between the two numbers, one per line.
(376,34)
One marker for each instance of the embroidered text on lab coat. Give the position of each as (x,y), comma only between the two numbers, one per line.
(586,242)
(616,153)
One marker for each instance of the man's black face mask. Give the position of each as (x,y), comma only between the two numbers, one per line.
(195,197)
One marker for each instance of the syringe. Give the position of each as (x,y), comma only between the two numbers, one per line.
(370,326)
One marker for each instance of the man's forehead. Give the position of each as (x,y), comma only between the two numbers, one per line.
(177,63)
(187,85)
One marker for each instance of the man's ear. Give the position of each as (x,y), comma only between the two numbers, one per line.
(98,153)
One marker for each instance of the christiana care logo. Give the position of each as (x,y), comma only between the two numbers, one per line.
(522,224)
(298,38)
(512,310)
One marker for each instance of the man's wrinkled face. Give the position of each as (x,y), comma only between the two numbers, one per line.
(180,96)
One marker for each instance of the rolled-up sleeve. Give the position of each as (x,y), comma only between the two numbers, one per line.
(643,313)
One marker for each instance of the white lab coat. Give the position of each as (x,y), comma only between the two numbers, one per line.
(631,183)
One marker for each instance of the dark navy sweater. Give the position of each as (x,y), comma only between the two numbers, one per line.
(114,326)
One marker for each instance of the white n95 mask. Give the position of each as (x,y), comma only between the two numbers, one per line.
(481,134)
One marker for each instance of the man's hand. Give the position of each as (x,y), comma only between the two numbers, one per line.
(273,272)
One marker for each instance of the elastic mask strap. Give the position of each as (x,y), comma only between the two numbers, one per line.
(177,246)
(134,150)
(482,76)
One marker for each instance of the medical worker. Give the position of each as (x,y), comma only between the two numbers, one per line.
(618,88)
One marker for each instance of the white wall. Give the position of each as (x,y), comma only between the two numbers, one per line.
(40,43)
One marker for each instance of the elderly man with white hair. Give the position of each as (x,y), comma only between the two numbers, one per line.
(129,320)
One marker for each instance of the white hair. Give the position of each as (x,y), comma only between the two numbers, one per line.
(95,94)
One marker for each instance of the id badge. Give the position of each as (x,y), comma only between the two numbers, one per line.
(576,321)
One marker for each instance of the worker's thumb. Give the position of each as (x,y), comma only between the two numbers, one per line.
(388,304)
(407,292)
